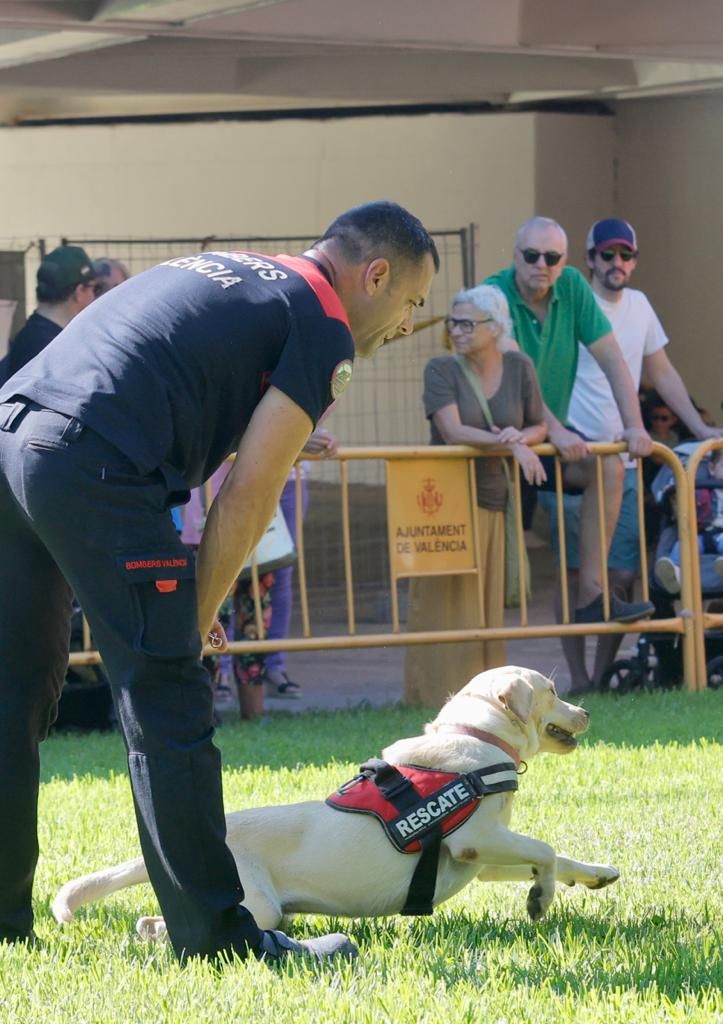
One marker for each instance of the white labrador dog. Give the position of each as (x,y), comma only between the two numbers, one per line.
(307,858)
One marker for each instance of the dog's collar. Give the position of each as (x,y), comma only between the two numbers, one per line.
(485,737)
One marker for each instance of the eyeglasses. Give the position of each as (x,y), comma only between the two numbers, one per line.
(532,256)
(625,255)
(465,326)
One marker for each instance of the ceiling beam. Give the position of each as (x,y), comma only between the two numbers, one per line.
(652,24)
(200,67)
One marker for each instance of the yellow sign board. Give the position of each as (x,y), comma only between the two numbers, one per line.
(429,516)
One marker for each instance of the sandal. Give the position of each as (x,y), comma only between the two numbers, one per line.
(281,686)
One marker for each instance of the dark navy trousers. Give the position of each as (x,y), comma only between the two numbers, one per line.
(75,515)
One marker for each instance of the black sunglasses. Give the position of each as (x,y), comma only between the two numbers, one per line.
(532,256)
(625,255)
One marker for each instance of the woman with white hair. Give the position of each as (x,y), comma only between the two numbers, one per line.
(486,395)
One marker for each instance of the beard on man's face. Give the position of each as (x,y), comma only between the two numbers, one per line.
(615,280)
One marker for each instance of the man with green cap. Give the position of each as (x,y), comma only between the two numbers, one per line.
(65,286)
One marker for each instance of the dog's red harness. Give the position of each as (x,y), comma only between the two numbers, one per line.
(417,807)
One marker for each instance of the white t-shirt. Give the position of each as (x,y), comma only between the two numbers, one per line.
(593,409)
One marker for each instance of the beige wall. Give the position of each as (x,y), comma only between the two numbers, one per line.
(574,181)
(658,162)
(284,178)
(670,185)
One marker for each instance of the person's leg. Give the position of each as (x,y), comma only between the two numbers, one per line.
(573,647)
(584,476)
(35,609)
(592,565)
(492,525)
(622,585)
(281,592)
(623,565)
(114,542)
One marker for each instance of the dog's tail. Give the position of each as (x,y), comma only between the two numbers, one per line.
(90,888)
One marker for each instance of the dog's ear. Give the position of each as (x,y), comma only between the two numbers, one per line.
(516,696)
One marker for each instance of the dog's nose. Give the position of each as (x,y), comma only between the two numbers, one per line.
(586,713)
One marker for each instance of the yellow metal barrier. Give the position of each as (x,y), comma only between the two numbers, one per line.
(702,620)
(690,623)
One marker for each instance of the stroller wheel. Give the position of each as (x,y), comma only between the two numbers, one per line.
(715,672)
(622,677)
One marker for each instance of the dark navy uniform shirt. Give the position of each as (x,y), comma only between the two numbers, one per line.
(170,366)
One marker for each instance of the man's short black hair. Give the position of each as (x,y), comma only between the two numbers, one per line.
(381,229)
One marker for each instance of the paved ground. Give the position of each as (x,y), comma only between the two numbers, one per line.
(342,679)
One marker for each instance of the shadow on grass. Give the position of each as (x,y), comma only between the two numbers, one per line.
(566,952)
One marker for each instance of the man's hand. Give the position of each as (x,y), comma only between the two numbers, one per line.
(639,441)
(570,445)
(217,639)
(322,443)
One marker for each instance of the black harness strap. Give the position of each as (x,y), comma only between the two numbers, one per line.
(400,792)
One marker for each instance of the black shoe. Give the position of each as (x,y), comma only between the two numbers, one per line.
(620,611)
(279,685)
(275,946)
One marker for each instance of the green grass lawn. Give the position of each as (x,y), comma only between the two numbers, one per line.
(643,792)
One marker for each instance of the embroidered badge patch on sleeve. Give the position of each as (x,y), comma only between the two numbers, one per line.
(341,377)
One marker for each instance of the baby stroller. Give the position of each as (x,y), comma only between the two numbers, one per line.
(658,661)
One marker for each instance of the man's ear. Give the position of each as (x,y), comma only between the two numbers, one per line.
(590,261)
(516,696)
(377,275)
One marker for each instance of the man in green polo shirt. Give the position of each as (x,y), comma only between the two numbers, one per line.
(552,308)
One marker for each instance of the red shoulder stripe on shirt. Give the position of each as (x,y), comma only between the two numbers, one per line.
(330,301)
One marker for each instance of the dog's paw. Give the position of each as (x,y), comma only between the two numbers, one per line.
(151,929)
(603,876)
(538,901)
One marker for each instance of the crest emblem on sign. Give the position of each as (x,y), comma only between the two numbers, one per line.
(429,498)
(341,377)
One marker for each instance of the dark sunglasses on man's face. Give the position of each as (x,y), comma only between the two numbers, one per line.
(625,255)
(532,256)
